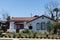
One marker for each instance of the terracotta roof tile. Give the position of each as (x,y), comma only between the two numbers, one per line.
(28,19)
(22,18)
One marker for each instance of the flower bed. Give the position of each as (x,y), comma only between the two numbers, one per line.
(30,35)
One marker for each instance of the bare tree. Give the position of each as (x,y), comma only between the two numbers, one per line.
(5,15)
(50,6)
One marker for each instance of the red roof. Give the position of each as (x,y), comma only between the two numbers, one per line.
(19,22)
(28,19)
(22,18)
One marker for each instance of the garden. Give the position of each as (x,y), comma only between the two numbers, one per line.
(27,34)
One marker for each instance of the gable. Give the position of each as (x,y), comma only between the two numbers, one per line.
(43,16)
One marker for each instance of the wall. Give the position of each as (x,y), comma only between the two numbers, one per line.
(11,29)
(39,20)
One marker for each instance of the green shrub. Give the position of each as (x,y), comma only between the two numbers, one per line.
(0,33)
(34,34)
(26,31)
(19,35)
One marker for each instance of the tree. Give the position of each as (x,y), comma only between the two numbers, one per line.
(5,15)
(49,26)
(50,6)
(56,26)
(56,10)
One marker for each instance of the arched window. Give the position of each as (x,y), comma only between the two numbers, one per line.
(38,26)
(43,26)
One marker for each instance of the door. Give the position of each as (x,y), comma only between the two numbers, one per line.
(17,30)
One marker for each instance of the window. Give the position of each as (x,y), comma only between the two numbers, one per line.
(42,17)
(38,26)
(30,27)
(43,27)
(17,26)
(21,26)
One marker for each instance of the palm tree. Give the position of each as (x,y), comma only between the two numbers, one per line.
(56,10)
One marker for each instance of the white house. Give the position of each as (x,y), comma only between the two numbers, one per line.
(18,24)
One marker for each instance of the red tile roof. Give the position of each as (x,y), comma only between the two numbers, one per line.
(22,18)
(28,19)
(19,22)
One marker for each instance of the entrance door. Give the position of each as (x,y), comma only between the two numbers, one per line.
(17,30)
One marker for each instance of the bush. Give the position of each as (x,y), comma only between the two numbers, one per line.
(47,35)
(26,31)
(14,35)
(49,26)
(0,33)
(19,35)
(34,34)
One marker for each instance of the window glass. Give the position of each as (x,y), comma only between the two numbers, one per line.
(38,26)
(43,26)
(21,26)
(42,17)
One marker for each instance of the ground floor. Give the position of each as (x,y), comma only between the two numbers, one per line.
(40,27)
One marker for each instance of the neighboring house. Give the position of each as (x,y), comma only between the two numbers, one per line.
(18,24)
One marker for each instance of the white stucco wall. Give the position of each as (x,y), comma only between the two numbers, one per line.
(32,23)
(39,20)
(12,29)
(25,26)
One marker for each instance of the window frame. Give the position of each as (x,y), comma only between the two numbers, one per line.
(38,27)
(43,26)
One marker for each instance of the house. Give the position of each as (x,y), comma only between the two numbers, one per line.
(37,23)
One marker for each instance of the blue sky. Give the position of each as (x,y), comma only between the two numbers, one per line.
(23,8)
